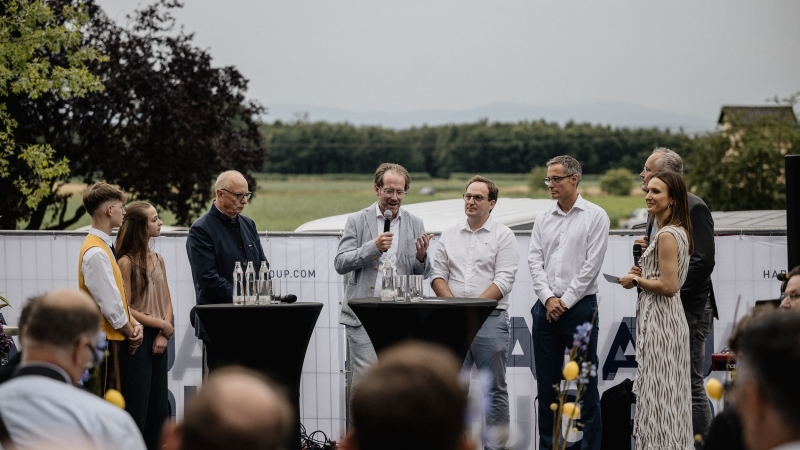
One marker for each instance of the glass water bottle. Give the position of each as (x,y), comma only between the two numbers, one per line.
(238,284)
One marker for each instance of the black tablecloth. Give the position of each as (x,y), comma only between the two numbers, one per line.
(271,339)
(452,322)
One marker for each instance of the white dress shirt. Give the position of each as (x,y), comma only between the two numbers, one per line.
(567,251)
(99,279)
(394,228)
(471,261)
(41,412)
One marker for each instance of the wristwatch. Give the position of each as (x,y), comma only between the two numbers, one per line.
(635,282)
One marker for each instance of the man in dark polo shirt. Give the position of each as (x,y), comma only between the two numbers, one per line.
(217,240)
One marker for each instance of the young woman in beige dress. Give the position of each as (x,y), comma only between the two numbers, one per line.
(145,278)
(663,418)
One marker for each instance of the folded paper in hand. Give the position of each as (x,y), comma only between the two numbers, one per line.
(611,278)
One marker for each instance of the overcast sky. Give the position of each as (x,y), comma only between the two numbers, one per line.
(683,57)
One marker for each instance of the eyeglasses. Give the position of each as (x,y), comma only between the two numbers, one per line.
(555,179)
(477,198)
(239,196)
(792,297)
(392,193)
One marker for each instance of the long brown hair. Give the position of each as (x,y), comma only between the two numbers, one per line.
(132,241)
(679,216)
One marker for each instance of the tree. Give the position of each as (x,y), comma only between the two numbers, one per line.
(166,125)
(617,182)
(29,31)
(742,167)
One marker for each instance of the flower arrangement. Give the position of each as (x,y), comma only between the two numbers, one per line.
(579,371)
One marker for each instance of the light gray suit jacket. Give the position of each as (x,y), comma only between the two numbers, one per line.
(358,258)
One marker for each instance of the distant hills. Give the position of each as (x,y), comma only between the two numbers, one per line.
(613,113)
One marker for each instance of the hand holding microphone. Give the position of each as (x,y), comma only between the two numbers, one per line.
(384,240)
(637,253)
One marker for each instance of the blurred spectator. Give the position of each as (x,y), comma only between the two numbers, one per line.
(235,409)
(411,399)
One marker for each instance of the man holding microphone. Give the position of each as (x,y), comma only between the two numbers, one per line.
(364,241)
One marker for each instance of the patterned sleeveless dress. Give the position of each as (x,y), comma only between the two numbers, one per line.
(663,390)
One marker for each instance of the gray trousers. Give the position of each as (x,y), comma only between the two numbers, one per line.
(489,353)
(362,354)
(699,328)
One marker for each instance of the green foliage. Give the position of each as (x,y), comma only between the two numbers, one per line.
(30,32)
(743,168)
(167,124)
(536,177)
(617,182)
(482,147)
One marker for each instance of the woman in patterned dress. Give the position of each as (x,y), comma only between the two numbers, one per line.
(663,392)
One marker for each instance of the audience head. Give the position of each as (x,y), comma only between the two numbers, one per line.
(235,408)
(232,193)
(61,328)
(410,399)
(678,201)
(105,202)
(790,297)
(25,315)
(391,183)
(766,392)
(661,160)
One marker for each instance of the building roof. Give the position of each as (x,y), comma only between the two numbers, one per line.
(749,219)
(516,213)
(751,114)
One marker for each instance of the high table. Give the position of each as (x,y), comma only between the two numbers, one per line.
(271,339)
(452,322)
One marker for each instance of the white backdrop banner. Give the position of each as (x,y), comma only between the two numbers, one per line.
(746,266)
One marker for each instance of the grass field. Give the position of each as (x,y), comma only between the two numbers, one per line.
(284,202)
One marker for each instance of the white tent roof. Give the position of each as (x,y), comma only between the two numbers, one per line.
(516,213)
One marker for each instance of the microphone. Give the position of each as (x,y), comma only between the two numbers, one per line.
(387,220)
(637,253)
(291,298)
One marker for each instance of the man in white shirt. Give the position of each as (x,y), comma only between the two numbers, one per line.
(479,258)
(766,393)
(41,407)
(100,277)
(568,244)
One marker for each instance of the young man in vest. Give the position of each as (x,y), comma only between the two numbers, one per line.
(100,277)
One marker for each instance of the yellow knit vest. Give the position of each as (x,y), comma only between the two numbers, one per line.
(94,241)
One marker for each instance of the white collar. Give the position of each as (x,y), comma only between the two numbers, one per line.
(102,235)
(379,214)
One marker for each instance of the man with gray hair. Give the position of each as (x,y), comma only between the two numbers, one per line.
(568,245)
(216,241)
(697,293)
(41,407)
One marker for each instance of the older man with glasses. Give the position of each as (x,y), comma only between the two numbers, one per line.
(363,243)
(216,241)
(479,258)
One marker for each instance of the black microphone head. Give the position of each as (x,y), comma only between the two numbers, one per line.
(291,298)
(637,248)
(387,215)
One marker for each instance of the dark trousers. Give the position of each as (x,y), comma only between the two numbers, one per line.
(550,340)
(146,397)
(699,328)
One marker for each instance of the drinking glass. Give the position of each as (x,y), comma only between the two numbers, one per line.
(276,291)
(415,287)
(401,285)
(264,291)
